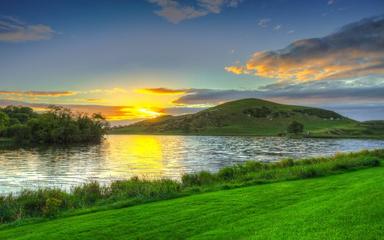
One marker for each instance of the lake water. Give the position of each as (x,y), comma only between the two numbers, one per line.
(124,156)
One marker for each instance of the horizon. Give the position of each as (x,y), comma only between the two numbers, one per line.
(137,60)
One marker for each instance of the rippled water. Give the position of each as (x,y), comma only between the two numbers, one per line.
(123,156)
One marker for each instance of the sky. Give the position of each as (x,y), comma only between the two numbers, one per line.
(131,60)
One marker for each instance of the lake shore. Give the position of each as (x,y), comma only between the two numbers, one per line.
(329,182)
(121,157)
(44,203)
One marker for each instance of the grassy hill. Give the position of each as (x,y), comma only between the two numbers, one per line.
(254,117)
(344,206)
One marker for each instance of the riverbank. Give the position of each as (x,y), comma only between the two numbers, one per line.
(48,203)
(342,206)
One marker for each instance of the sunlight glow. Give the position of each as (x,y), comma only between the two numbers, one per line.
(148,113)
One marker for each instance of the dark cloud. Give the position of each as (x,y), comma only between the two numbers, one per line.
(312,92)
(355,50)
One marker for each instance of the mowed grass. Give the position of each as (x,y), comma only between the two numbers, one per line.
(345,206)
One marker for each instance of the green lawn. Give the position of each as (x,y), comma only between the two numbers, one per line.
(344,206)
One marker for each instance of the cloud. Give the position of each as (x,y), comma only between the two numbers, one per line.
(277,27)
(291,32)
(176,12)
(14,30)
(162,91)
(39,93)
(320,92)
(264,22)
(353,51)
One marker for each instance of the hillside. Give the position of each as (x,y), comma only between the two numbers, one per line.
(245,117)
(345,206)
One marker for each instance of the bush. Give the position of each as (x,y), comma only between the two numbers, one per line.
(227,173)
(87,193)
(198,179)
(52,207)
(295,127)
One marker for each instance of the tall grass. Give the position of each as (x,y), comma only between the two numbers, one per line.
(51,202)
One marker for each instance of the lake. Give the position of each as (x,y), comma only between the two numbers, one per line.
(124,156)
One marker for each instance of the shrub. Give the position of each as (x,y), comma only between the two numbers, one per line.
(226,173)
(87,193)
(295,127)
(52,207)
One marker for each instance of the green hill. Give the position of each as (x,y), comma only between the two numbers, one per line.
(254,117)
(344,206)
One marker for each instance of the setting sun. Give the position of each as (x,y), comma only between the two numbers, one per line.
(148,113)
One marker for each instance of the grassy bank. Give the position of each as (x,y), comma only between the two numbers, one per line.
(344,206)
(48,203)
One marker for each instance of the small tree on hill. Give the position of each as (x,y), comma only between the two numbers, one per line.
(295,127)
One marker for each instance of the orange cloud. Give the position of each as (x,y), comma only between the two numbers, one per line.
(162,91)
(39,93)
(354,51)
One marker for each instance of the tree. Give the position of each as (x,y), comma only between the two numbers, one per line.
(4,120)
(295,127)
(56,126)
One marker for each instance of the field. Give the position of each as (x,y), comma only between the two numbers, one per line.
(339,206)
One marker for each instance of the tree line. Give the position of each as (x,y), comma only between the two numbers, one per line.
(58,125)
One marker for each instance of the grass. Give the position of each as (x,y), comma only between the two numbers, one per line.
(50,203)
(256,117)
(344,206)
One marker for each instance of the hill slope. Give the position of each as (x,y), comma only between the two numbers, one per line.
(345,206)
(242,117)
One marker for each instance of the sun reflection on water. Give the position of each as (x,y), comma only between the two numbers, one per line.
(141,155)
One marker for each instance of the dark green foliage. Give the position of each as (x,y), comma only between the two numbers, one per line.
(4,120)
(198,179)
(56,126)
(321,113)
(262,112)
(22,114)
(295,127)
(51,202)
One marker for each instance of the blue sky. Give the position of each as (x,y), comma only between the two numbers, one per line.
(104,52)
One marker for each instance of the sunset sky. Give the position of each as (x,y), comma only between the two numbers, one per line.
(132,60)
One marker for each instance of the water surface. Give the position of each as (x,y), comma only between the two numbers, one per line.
(124,156)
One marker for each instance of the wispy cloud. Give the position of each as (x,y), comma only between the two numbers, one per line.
(355,50)
(277,27)
(175,12)
(14,30)
(264,22)
(39,93)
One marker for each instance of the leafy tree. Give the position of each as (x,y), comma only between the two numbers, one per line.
(4,120)
(56,126)
(295,127)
